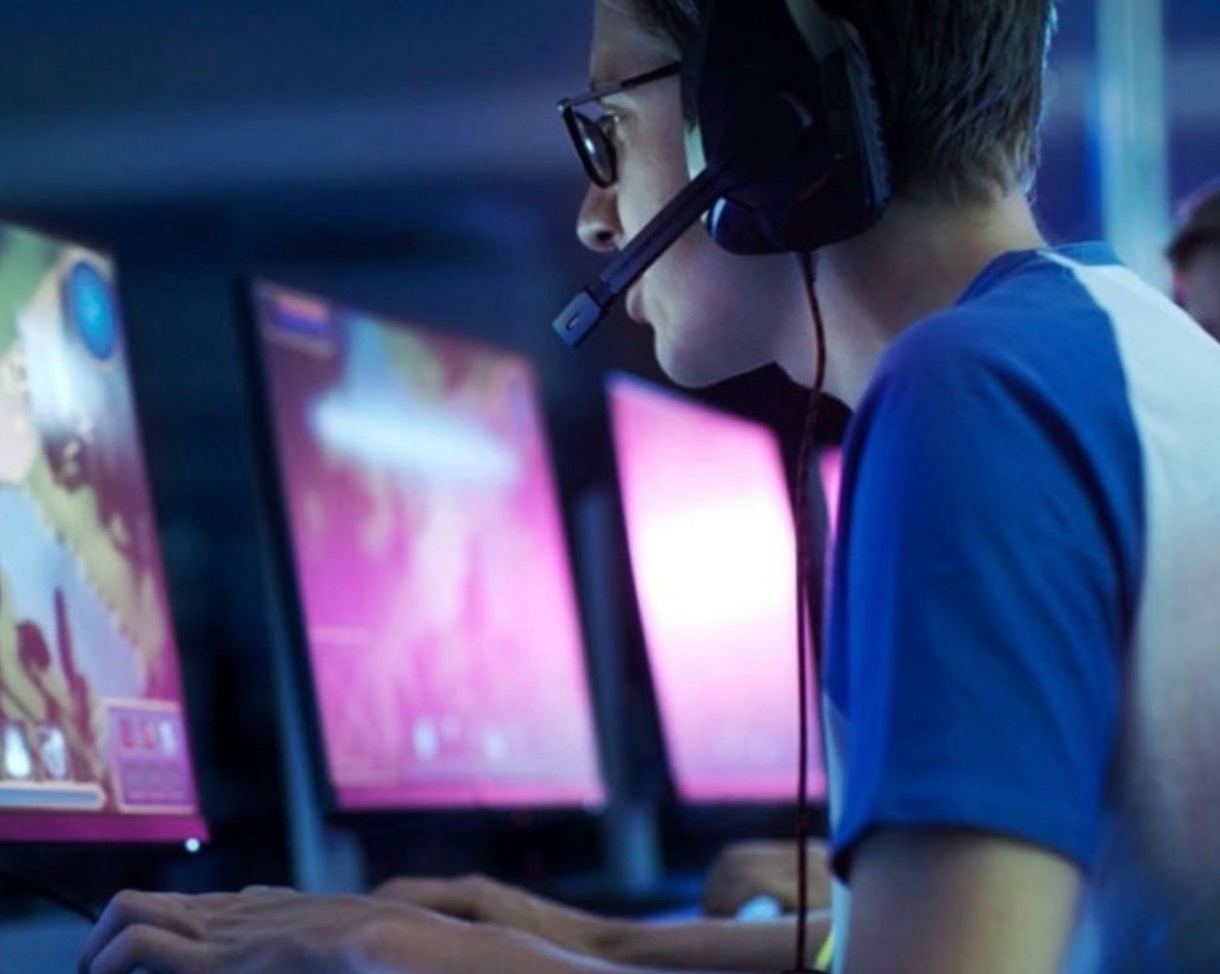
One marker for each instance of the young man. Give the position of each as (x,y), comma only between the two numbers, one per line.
(1195,255)
(1022,694)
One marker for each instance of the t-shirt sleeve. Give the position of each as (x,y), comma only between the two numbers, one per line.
(980,601)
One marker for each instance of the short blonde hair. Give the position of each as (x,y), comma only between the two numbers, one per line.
(960,84)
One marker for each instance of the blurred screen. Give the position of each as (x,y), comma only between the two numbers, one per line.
(93,742)
(431,564)
(710,531)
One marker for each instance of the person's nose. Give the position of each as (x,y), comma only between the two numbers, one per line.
(597,224)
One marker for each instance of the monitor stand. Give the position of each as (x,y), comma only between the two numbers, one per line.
(630,838)
(325,858)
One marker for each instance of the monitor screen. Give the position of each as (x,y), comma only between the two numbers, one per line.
(431,567)
(712,544)
(93,741)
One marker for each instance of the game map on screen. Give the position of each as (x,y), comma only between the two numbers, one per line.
(712,544)
(441,623)
(93,742)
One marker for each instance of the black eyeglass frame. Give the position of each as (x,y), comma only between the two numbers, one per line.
(585,130)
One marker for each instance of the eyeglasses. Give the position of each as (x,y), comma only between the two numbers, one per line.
(592,136)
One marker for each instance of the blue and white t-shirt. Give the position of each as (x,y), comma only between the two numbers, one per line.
(1024,632)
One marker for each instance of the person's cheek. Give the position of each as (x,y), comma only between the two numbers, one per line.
(641,193)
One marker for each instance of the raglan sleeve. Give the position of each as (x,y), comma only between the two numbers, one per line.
(981,600)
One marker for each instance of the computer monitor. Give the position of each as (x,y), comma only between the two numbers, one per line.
(432,575)
(93,737)
(712,546)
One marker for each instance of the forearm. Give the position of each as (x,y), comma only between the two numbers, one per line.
(708,945)
(958,902)
(658,949)
(391,948)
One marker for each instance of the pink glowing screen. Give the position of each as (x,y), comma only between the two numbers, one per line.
(830,472)
(431,566)
(93,743)
(710,531)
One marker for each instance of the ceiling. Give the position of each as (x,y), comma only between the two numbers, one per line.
(356,111)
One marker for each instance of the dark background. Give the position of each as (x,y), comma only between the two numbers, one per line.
(403,157)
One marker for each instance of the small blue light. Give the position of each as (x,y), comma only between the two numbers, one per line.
(92,309)
(193,846)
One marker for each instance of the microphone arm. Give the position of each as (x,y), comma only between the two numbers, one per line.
(587,310)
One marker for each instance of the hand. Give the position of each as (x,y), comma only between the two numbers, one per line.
(270,931)
(483,900)
(749,869)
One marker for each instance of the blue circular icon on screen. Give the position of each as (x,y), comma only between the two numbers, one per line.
(92,307)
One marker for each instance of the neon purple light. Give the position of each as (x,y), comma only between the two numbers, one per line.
(430,559)
(830,472)
(53,827)
(93,743)
(710,529)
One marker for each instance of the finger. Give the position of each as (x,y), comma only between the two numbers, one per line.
(129,908)
(439,895)
(160,951)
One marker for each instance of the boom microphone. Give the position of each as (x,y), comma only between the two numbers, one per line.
(589,308)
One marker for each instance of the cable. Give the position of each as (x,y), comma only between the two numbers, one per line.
(42,891)
(804,576)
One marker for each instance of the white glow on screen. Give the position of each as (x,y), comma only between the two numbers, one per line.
(414,442)
(17,761)
(716,565)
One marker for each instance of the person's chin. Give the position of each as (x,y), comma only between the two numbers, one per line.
(687,368)
(635,305)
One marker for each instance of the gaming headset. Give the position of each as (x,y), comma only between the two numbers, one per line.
(783,143)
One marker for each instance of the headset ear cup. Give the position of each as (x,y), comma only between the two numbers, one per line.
(729,221)
(784,189)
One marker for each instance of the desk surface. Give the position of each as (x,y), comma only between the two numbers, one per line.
(41,944)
